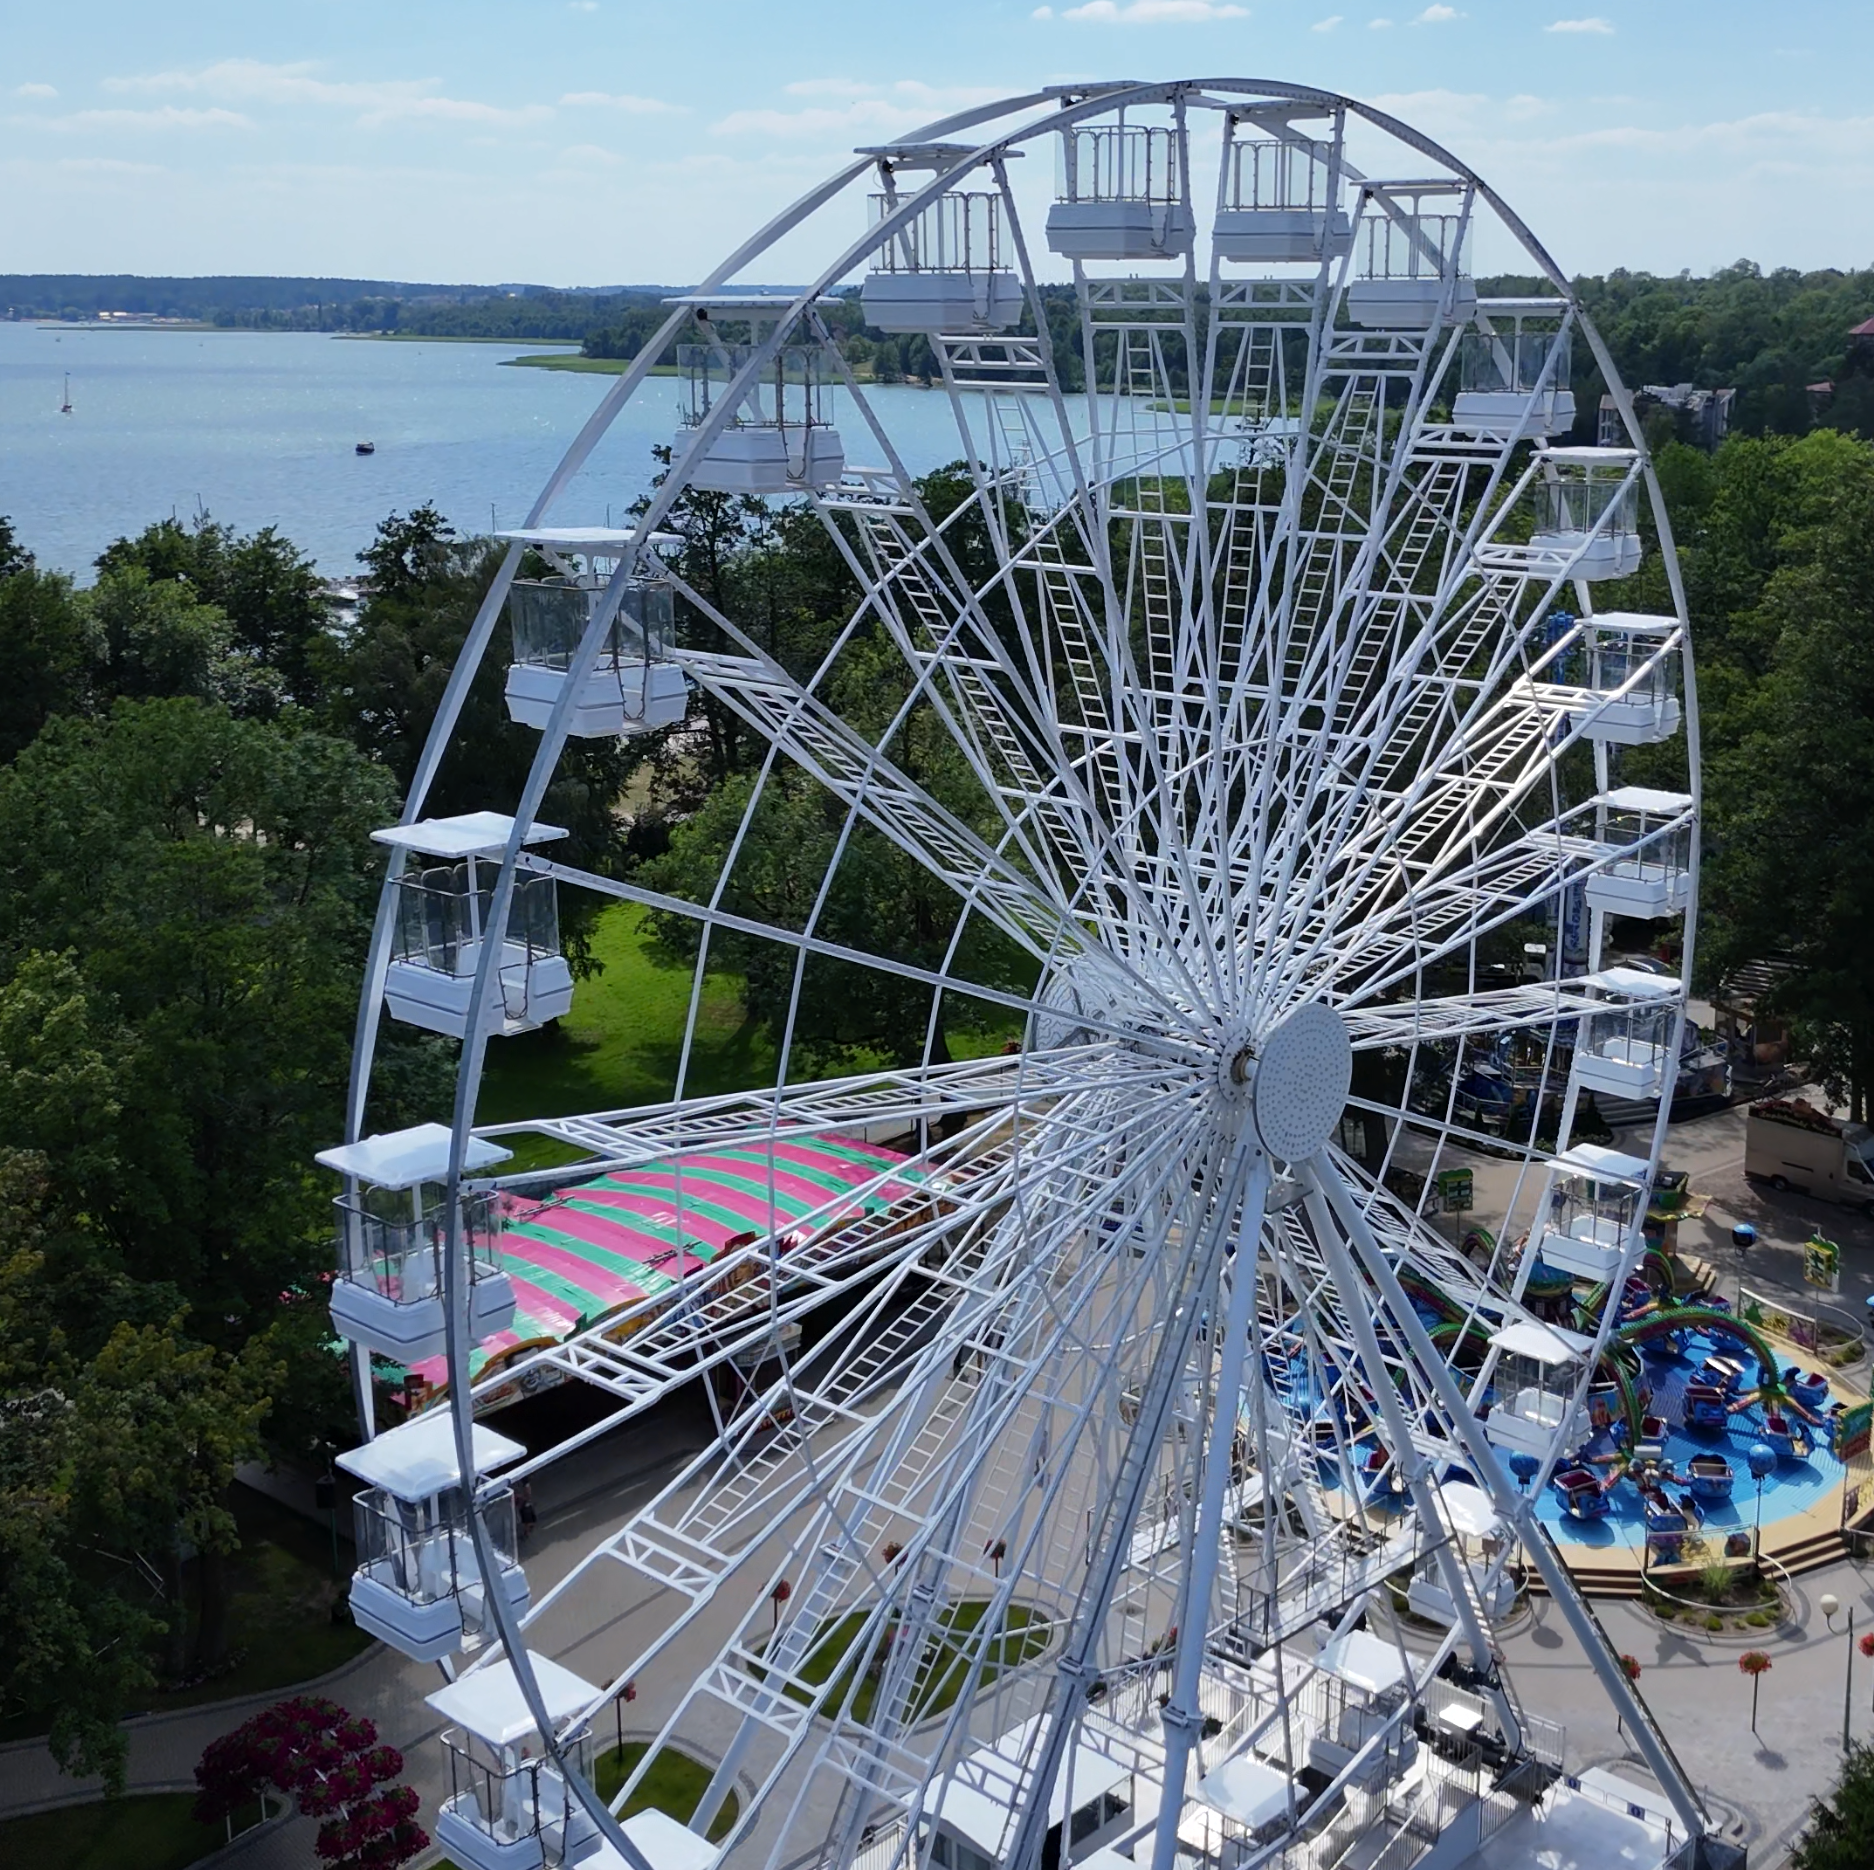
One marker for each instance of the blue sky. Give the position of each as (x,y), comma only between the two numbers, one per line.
(609,140)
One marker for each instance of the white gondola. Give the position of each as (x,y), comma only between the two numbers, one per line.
(1651,877)
(1120,196)
(392,1233)
(1364,1684)
(508,1806)
(441,908)
(1626,1050)
(1618,674)
(1587,513)
(1478,1535)
(1534,1376)
(419,1584)
(1513,380)
(635,685)
(947,269)
(1413,266)
(1634,681)
(781,438)
(1594,1206)
(1279,204)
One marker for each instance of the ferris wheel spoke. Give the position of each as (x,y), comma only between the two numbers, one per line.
(908,1101)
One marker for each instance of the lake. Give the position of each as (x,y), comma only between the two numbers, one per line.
(259,428)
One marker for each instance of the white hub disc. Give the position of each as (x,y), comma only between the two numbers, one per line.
(1302,1077)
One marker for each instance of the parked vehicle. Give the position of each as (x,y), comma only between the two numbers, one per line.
(1793,1145)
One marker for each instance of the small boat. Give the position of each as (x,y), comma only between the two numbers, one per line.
(1705,1406)
(364,448)
(1809,1391)
(65,404)
(1785,1435)
(1582,1497)
(1711,1477)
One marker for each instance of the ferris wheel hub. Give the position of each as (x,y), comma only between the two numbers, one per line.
(1303,1069)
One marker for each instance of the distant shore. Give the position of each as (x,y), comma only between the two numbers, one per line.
(597,366)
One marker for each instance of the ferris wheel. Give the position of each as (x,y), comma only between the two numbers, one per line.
(1078,1428)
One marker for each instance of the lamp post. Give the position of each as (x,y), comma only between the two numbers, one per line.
(1847,1689)
(1762,1458)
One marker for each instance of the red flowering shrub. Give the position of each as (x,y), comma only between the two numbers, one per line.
(331,1763)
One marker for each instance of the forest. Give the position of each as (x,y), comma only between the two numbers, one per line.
(192,759)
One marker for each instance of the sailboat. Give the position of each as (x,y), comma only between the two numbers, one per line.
(65,408)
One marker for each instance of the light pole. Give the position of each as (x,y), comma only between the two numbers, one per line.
(1762,1458)
(1847,1690)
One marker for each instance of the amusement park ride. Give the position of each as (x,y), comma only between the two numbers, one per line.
(1091,1434)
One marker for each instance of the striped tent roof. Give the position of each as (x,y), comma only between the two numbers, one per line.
(586,1249)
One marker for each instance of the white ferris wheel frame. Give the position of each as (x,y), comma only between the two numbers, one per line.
(1356,1232)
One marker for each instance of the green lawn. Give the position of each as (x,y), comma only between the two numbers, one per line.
(620,1044)
(152,1833)
(674,1784)
(945,1667)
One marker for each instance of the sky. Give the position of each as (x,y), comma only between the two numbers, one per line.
(587,142)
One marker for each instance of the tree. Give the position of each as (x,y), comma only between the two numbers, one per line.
(1791,766)
(45,646)
(336,1770)
(268,591)
(1840,1833)
(157,638)
(211,882)
(71,1646)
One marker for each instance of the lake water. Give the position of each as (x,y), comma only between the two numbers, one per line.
(260,428)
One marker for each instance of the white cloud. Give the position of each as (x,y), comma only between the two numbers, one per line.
(1437,15)
(164,117)
(382,100)
(874,111)
(1153,12)
(622,100)
(35,90)
(1042,12)
(1593,24)
(1326,25)
(1378,25)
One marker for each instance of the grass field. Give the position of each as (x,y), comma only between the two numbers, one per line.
(673,1785)
(153,1833)
(944,1667)
(620,1044)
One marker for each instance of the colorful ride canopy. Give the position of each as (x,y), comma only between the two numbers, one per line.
(593,1247)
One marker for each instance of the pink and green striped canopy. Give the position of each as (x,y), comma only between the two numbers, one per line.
(586,1249)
